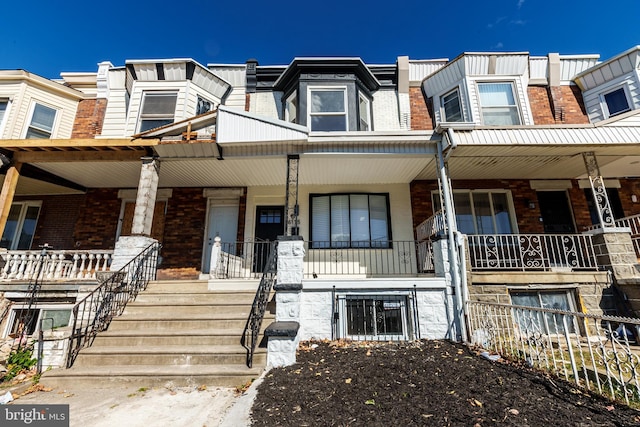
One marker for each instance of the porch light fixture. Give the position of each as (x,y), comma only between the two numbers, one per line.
(634,198)
(530,204)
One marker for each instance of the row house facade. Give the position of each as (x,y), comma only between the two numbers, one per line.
(402,190)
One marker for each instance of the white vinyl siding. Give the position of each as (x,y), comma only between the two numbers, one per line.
(595,104)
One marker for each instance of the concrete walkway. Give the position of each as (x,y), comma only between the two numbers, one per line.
(113,405)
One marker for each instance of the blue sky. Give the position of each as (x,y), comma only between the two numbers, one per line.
(47,38)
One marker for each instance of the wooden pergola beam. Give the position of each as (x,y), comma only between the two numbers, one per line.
(78,156)
(78,142)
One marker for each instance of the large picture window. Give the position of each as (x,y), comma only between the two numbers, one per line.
(482,212)
(498,104)
(327,110)
(350,220)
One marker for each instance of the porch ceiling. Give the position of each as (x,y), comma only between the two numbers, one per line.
(321,169)
(539,161)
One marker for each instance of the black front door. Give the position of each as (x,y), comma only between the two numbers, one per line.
(556,212)
(269,225)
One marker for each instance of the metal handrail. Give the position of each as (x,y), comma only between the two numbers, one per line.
(94,312)
(251,331)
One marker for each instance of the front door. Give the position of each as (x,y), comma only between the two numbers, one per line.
(557,217)
(223,223)
(269,225)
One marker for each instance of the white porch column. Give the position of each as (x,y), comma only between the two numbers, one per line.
(146,198)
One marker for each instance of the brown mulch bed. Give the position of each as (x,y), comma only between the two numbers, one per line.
(426,383)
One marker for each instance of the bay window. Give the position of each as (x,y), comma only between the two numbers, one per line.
(158,109)
(327,109)
(498,104)
(42,120)
(350,221)
(451,108)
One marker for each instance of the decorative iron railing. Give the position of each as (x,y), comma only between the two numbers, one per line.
(252,329)
(367,258)
(432,226)
(531,252)
(238,260)
(94,312)
(54,265)
(599,353)
(633,223)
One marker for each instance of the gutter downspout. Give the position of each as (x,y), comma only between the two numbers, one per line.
(452,236)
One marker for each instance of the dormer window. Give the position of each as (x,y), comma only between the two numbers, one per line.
(327,109)
(158,109)
(451,108)
(291,108)
(498,104)
(42,120)
(364,111)
(616,102)
(203,106)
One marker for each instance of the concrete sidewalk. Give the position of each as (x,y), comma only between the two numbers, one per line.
(116,404)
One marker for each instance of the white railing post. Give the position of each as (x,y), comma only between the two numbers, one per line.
(215,258)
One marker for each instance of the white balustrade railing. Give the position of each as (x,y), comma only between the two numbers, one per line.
(54,265)
(430,227)
(531,252)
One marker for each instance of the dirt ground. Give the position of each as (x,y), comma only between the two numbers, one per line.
(427,383)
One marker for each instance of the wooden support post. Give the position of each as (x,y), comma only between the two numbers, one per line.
(6,195)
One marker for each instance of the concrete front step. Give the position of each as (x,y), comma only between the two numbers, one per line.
(182,309)
(167,355)
(249,285)
(211,297)
(153,376)
(171,337)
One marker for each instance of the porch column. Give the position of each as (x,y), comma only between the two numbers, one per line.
(293,161)
(128,247)
(283,334)
(599,191)
(146,197)
(7,193)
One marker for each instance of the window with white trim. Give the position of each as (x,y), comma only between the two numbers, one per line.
(41,123)
(327,109)
(203,106)
(364,111)
(291,108)
(450,107)
(547,323)
(373,317)
(616,102)
(350,221)
(24,321)
(482,212)
(21,225)
(498,104)
(158,109)
(4,108)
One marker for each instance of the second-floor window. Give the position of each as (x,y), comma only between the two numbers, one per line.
(451,109)
(42,120)
(327,109)
(4,106)
(498,104)
(616,101)
(158,109)
(364,110)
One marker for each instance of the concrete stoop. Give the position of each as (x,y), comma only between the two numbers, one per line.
(176,333)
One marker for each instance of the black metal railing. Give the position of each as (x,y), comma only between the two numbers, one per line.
(252,329)
(94,312)
(367,258)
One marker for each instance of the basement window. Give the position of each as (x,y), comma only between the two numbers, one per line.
(374,317)
(29,320)
(536,321)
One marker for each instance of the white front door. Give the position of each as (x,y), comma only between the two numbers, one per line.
(222,222)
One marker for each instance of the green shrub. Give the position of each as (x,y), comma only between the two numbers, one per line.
(19,360)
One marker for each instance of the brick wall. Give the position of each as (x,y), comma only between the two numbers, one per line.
(421,114)
(628,187)
(98,219)
(567,104)
(580,207)
(540,105)
(89,118)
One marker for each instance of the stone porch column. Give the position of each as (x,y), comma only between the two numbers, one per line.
(283,333)
(614,251)
(146,198)
(128,247)
(7,193)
